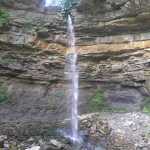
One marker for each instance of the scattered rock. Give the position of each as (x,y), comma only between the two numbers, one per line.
(56,144)
(111,130)
(34,148)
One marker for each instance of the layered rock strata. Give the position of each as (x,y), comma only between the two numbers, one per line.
(114,56)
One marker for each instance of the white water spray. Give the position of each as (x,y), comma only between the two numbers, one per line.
(53,3)
(73,77)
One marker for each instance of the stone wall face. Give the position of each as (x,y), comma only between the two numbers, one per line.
(114,55)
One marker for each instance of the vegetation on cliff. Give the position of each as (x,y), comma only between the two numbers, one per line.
(3,93)
(146,108)
(4,17)
(97,102)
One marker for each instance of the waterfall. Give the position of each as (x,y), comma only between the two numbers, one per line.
(73,78)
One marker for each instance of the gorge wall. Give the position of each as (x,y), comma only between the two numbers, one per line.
(113,42)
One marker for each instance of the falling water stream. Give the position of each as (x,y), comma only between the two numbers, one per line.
(73,77)
(71,73)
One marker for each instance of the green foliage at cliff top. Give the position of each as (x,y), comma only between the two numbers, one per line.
(4,17)
(68,5)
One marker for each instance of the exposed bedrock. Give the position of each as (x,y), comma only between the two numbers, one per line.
(114,57)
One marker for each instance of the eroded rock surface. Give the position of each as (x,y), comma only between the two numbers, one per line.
(118,131)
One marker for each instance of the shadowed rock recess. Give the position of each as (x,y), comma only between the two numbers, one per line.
(113,42)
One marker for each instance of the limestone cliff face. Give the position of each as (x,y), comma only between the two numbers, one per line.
(113,42)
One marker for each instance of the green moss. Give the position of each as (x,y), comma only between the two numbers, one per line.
(60,94)
(7,60)
(4,17)
(97,102)
(146,108)
(51,131)
(115,110)
(3,94)
(53,81)
(146,132)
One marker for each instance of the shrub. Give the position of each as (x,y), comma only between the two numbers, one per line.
(4,17)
